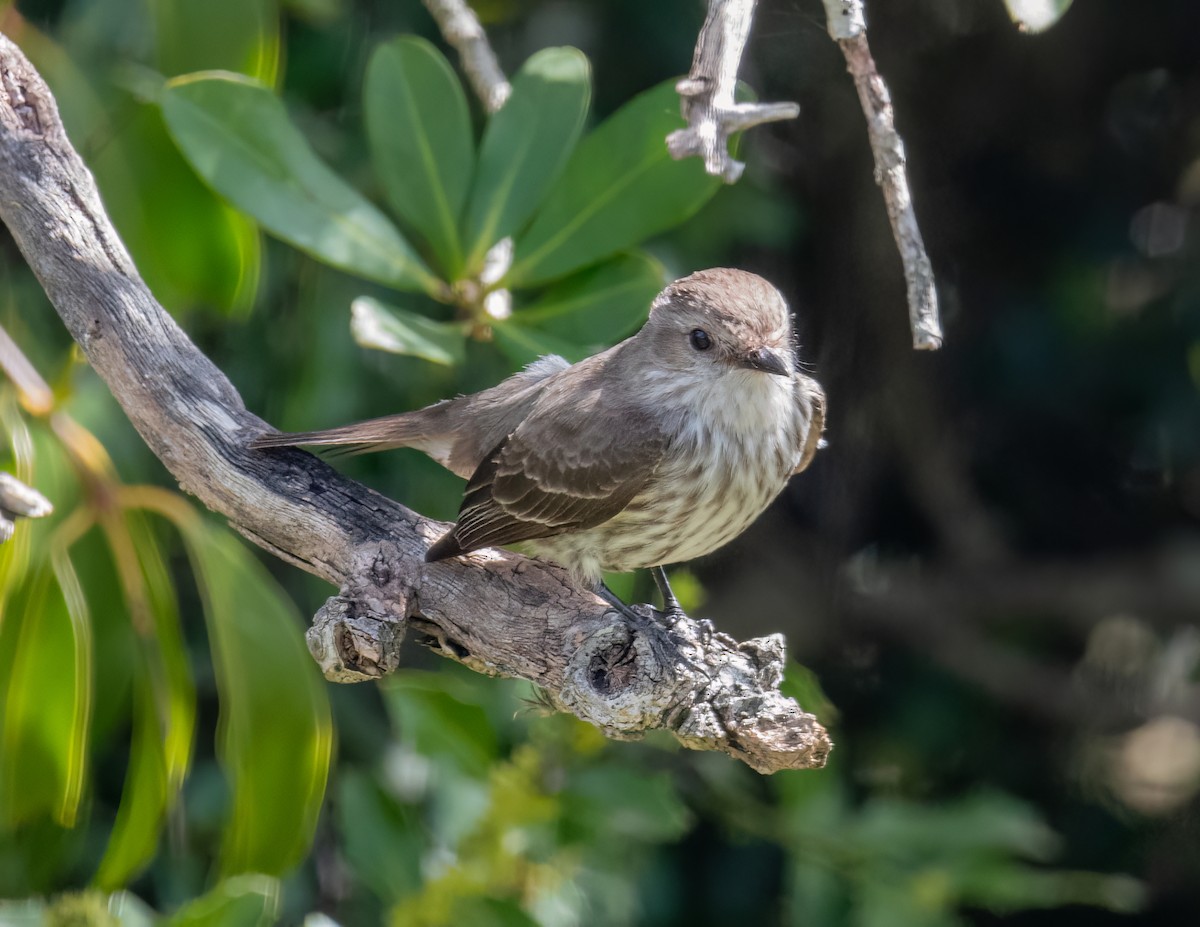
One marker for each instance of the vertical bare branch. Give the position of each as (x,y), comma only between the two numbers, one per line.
(708,92)
(460,27)
(848,27)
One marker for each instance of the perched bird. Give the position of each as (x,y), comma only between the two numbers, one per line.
(658,450)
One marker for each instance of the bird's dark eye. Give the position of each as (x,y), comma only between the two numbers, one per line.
(700,340)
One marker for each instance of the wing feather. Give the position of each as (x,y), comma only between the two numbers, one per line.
(577,460)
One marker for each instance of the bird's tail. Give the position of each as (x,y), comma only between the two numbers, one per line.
(422,429)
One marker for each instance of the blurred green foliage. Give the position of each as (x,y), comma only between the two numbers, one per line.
(165,740)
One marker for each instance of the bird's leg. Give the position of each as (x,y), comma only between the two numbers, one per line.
(672,610)
(638,620)
(614,600)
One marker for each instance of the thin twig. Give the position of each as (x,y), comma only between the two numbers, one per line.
(460,27)
(707,92)
(848,27)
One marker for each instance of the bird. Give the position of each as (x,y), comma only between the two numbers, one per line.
(657,451)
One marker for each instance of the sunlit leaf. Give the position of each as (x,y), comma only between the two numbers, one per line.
(164,717)
(239,901)
(377,325)
(1036,15)
(236,35)
(526,145)
(620,187)
(144,800)
(523,345)
(598,306)
(237,136)
(275,731)
(421,141)
(14,553)
(45,697)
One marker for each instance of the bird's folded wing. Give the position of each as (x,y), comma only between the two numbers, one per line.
(566,470)
(809,393)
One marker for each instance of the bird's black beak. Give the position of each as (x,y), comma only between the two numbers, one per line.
(768,361)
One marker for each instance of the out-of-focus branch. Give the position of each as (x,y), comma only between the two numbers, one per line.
(18,501)
(495,611)
(460,27)
(848,27)
(708,92)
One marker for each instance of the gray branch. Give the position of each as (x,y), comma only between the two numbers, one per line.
(18,501)
(707,92)
(848,27)
(460,27)
(495,611)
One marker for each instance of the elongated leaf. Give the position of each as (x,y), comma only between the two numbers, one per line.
(526,145)
(163,722)
(620,187)
(238,35)
(134,839)
(390,328)
(240,901)
(523,345)
(275,732)
(439,724)
(419,130)
(14,553)
(238,137)
(46,697)
(380,839)
(601,305)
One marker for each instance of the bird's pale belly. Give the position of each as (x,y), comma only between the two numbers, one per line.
(699,503)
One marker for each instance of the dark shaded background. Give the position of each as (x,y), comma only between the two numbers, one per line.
(994,568)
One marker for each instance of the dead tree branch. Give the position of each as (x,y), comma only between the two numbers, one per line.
(848,27)
(708,92)
(460,27)
(494,611)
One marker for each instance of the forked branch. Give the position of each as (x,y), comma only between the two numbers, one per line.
(709,107)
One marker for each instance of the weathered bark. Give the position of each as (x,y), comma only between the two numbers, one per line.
(707,92)
(495,611)
(847,24)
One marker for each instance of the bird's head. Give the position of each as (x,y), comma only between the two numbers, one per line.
(718,321)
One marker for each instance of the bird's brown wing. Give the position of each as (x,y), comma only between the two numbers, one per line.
(809,392)
(564,469)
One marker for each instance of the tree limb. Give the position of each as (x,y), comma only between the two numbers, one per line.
(495,611)
(847,26)
(708,92)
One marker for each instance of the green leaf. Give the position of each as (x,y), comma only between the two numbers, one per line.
(440,725)
(164,706)
(381,841)
(523,345)
(526,145)
(237,136)
(46,698)
(237,35)
(389,328)
(1036,15)
(240,901)
(419,130)
(620,187)
(144,799)
(275,734)
(626,805)
(601,305)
